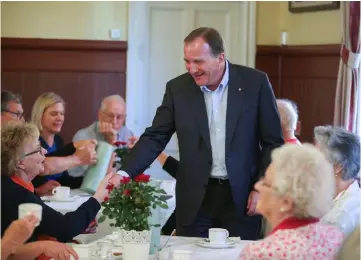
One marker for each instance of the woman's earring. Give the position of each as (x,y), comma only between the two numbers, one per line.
(282,209)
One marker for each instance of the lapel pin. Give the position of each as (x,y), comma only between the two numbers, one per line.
(239,89)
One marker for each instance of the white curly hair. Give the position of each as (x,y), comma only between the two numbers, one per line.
(306,176)
(288,114)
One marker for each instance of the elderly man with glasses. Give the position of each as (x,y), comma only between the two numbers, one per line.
(11,108)
(109,128)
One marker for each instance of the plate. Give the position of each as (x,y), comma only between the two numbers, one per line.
(52,198)
(205,243)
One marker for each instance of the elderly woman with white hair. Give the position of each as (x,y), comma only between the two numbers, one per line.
(342,149)
(297,190)
(289,118)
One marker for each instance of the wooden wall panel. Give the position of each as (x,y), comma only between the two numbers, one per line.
(82,72)
(306,75)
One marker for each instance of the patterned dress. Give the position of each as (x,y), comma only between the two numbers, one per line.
(296,239)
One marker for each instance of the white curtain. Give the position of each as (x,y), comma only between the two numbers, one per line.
(348,96)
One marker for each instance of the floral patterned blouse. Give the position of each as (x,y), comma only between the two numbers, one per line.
(296,239)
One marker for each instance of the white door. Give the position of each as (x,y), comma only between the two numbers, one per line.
(155,54)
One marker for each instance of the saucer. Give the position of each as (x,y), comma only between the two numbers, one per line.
(205,243)
(52,198)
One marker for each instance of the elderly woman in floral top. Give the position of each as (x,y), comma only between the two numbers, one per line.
(342,149)
(297,190)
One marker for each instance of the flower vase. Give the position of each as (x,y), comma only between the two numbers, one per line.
(136,244)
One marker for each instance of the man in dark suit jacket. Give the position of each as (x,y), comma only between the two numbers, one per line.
(227,123)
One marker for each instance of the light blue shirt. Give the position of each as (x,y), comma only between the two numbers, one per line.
(216,105)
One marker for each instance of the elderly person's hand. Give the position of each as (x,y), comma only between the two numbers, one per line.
(102,190)
(132,141)
(57,251)
(108,131)
(20,230)
(85,155)
(252,203)
(115,180)
(47,188)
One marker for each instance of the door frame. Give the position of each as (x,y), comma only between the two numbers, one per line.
(138,57)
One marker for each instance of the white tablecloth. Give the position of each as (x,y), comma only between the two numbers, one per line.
(188,243)
(103,229)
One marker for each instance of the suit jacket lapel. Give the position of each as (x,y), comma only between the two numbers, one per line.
(200,114)
(235,102)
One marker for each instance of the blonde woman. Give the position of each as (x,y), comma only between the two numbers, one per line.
(296,191)
(48,114)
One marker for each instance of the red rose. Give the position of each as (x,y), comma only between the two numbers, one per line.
(119,143)
(126,192)
(106,199)
(142,178)
(146,178)
(110,187)
(125,180)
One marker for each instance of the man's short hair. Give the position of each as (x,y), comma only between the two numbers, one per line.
(7,97)
(211,36)
(117,98)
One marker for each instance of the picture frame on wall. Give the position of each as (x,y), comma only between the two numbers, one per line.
(312,6)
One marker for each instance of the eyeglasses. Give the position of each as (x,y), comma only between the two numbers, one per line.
(112,116)
(38,150)
(18,115)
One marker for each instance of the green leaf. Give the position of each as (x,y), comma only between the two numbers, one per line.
(102,218)
(163,206)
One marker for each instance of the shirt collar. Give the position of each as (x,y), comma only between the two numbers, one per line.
(293,222)
(27,185)
(224,81)
(353,188)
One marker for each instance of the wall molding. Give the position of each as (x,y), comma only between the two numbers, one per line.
(82,72)
(326,49)
(306,74)
(60,44)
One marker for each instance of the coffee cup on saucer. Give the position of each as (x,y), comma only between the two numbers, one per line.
(218,235)
(61,193)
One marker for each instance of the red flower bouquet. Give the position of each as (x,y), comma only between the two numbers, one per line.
(129,206)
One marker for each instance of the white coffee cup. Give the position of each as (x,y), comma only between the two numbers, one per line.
(30,208)
(182,254)
(218,235)
(61,192)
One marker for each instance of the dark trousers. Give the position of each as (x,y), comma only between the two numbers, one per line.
(219,211)
(170,225)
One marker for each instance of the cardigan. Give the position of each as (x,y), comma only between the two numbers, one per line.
(53,223)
